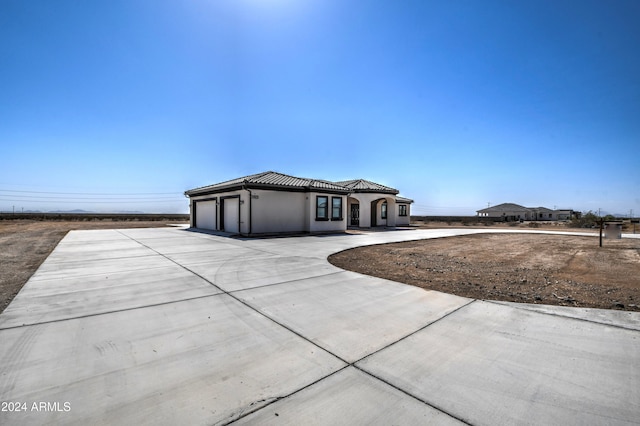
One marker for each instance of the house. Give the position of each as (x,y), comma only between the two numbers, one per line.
(511,212)
(274,203)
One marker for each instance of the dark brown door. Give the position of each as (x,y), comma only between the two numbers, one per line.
(355,214)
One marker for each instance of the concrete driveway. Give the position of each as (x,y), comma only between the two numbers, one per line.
(168,326)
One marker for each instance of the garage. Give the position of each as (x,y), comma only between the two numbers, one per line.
(206,215)
(230,215)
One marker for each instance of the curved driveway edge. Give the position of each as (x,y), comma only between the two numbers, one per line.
(166,326)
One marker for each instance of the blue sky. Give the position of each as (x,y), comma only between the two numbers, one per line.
(123,105)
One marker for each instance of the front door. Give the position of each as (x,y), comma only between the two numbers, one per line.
(355,214)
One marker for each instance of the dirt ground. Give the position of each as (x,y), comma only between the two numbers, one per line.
(25,244)
(526,268)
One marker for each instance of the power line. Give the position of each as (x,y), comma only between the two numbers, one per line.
(45,198)
(92,193)
(95,201)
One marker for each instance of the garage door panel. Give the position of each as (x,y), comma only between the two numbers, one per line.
(231,210)
(206,215)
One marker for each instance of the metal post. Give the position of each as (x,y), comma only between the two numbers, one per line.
(601,223)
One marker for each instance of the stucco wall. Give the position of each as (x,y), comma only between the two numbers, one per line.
(283,211)
(314,225)
(244,213)
(277,211)
(365,199)
(274,212)
(403,220)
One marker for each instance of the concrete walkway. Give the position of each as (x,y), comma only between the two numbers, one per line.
(169,326)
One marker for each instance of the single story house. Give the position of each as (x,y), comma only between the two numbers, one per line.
(274,203)
(512,212)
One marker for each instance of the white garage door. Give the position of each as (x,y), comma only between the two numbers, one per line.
(231,209)
(206,215)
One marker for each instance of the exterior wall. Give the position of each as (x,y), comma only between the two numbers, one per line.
(365,210)
(529,214)
(365,200)
(271,212)
(392,214)
(277,211)
(378,212)
(330,225)
(403,220)
(510,213)
(262,211)
(350,202)
(241,198)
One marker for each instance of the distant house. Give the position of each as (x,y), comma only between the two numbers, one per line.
(274,203)
(512,212)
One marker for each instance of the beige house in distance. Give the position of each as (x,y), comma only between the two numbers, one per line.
(274,203)
(513,212)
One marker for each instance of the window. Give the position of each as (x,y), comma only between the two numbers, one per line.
(402,210)
(383,210)
(336,208)
(322,207)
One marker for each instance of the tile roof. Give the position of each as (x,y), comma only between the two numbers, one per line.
(271,179)
(504,207)
(366,186)
(400,199)
(511,207)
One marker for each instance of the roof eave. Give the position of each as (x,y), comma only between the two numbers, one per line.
(253,185)
(377,191)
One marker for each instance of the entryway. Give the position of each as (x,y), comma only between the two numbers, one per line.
(355,214)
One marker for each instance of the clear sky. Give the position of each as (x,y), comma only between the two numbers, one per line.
(124,104)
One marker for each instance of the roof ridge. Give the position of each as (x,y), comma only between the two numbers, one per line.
(253,176)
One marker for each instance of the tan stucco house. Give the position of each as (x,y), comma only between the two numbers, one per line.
(275,203)
(511,212)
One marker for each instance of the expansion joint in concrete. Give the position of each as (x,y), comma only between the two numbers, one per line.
(567,317)
(237,299)
(111,312)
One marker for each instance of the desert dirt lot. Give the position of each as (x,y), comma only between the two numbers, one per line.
(25,244)
(526,268)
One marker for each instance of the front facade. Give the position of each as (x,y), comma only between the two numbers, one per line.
(512,212)
(275,203)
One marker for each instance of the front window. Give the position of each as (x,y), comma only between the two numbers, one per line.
(322,207)
(336,208)
(402,210)
(383,210)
